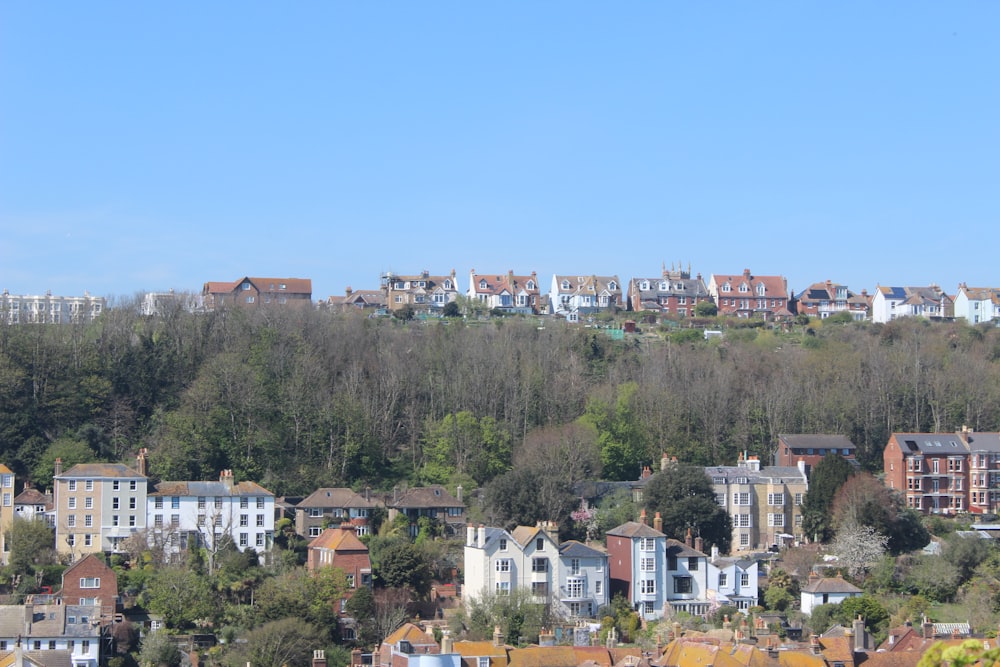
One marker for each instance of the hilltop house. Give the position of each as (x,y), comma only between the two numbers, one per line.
(748,295)
(573,297)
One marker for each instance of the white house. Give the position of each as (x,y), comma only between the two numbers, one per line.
(977,304)
(571,577)
(826,590)
(575,296)
(209,511)
(735,580)
(506,292)
(890,303)
(54,627)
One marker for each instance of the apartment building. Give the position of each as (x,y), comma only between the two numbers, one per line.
(50,309)
(97,506)
(6,509)
(765,503)
(208,512)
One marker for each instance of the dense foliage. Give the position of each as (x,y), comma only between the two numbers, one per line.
(307,399)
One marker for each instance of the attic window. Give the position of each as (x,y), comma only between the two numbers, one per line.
(437,492)
(530,285)
(282,286)
(245,286)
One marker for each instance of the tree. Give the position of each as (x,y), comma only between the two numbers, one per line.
(685,499)
(159,650)
(451,310)
(525,496)
(400,565)
(622,440)
(706,309)
(361,607)
(180,596)
(515,612)
(285,642)
(30,542)
(864,500)
(824,481)
(859,547)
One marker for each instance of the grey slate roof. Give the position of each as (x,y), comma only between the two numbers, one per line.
(816,441)
(574,549)
(931,443)
(633,529)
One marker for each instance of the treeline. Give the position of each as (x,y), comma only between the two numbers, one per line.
(306,399)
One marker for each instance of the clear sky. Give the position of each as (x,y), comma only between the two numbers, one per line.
(156,145)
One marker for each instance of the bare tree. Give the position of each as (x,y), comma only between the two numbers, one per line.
(859,547)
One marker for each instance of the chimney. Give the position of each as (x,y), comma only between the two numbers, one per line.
(552,530)
(356,657)
(57,469)
(470,535)
(347,291)
(458,493)
(447,643)
(814,646)
(928,628)
(726,623)
(481,537)
(859,635)
(664,462)
(546,638)
(715,552)
(140,462)
(319,658)
(689,539)
(497,636)
(226,477)
(642,516)
(699,544)
(658,522)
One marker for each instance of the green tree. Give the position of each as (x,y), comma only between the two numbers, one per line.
(180,596)
(515,612)
(361,607)
(685,499)
(465,445)
(825,480)
(622,439)
(285,642)
(451,309)
(159,650)
(401,565)
(706,309)
(70,450)
(525,496)
(31,544)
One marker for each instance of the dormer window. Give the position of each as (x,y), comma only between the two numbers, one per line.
(644,285)
(726,287)
(565,284)
(744,288)
(447,284)
(530,285)
(482,284)
(423,283)
(612,286)
(761,289)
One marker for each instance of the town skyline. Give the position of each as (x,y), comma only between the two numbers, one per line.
(150,148)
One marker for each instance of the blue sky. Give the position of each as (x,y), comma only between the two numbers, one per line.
(147,146)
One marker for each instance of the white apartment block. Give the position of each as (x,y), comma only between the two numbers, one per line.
(49,309)
(210,512)
(53,627)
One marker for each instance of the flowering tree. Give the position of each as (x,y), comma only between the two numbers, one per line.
(859,547)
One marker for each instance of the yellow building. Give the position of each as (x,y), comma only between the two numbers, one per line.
(6,509)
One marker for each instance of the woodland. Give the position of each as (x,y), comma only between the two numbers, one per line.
(304,399)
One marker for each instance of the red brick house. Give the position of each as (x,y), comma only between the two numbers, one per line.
(930,469)
(747,295)
(340,547)
(397,649)
(255,292)
(90,581)
(810,448)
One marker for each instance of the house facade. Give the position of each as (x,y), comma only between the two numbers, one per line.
(208,512)
(90,582)
(358,301)
(931,302)
(433,502)
(54,627)
(932,470)
(256,292)
(97,506)
(582,584)
(576,297)
(32,503)
(506,292)
(828,298)
(422,292)
(652,571)
(333,507)
(765,503)
(674,294)
(811,448)
(735,580)
(748,295)
(341,548)
(49,309)
(6,509)
(977,304)
(826,590)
